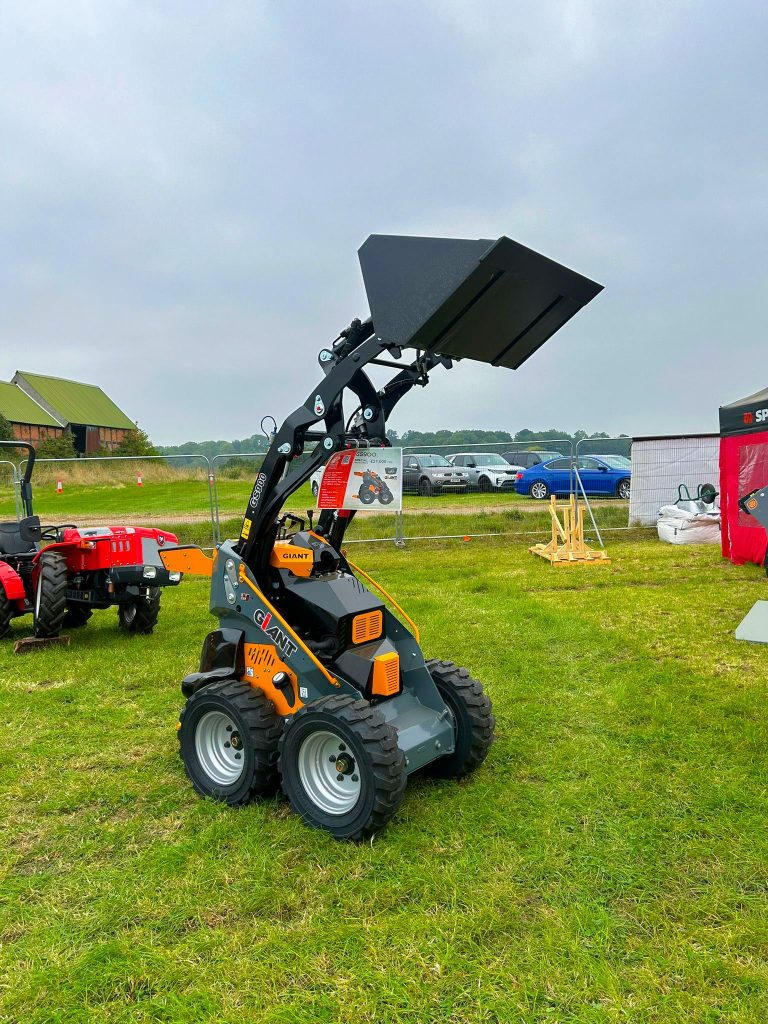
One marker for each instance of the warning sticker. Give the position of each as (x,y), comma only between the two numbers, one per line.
(363,478)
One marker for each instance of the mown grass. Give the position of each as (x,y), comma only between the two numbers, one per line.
(608,863)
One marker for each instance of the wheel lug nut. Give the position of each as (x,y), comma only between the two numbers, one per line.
(340,777)
(355,778)
(342,746)
(332,758)
(238,756)
(229,728)
(227,744)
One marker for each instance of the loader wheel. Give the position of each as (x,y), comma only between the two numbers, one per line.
(473,721)
(76,616)
(6,612)
(341,767)
(50,594)
(367,496)
(228,735)
(140,616)
(386,498)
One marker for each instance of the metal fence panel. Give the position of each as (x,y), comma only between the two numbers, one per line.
(169,492)
(484,500)
(661,464)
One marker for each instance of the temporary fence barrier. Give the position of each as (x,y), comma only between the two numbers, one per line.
(174,493)
(450,491)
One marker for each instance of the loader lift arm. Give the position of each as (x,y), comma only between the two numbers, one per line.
(496,302)
(355,348)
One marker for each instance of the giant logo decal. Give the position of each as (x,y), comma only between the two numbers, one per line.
(280,639)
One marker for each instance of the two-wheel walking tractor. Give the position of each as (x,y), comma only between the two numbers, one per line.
(62,573)
(313,682)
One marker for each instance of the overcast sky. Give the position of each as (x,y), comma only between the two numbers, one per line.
(184,186)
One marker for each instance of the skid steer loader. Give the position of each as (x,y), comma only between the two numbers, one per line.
(313,681)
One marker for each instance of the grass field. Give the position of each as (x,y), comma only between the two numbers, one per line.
(608,863)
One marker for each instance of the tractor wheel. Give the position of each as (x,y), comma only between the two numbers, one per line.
(6,612)
(341,767)
(623,490)
(367,496)
(50,594)
(228,735)
(539,490)
(76,616)
(473,720)
(140,616)
(425,487)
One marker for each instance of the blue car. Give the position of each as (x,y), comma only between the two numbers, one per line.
(603,475)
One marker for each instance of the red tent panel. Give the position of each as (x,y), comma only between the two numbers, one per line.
(743,468)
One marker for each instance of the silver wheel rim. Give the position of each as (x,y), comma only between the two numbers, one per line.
(221,761)
(323,757)
(538,491)
(624,491)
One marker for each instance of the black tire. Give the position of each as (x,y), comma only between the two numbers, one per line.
(472,718)
(386,497)
(257,726)
(540,490)
(623,489)
(315,488)
(484,485)
(76,616)
(140,616)
(425,487)
(367,496)
(50,594)
(6,612)
(372,762)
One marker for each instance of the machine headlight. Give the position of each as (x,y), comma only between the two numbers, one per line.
(150,571)
(174,577)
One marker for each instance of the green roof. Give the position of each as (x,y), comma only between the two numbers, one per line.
(78,403)
(19,408)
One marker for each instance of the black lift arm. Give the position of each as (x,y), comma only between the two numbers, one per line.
(495,302)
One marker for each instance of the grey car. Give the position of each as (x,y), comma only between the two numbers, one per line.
(486,471)
(430,474)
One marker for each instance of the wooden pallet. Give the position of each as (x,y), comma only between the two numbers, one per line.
(36,643)
(567,546)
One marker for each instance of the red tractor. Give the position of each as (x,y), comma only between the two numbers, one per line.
(61,573)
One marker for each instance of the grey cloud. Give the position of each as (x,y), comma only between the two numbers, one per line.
(183,188)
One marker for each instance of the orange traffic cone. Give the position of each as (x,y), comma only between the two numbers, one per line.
(59,487)
(138,479)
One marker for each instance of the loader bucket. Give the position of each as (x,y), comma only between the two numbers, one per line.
(496,302)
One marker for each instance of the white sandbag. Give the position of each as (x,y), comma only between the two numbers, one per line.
(678,526)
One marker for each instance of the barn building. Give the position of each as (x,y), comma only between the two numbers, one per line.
(39,407)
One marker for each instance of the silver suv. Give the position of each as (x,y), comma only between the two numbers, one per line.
(486,471)
(429,474)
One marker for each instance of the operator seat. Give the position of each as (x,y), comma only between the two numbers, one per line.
(16,538)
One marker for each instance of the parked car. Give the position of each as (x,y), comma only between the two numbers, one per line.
(524,460)
(600,475)
(430,474)
(486,471)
